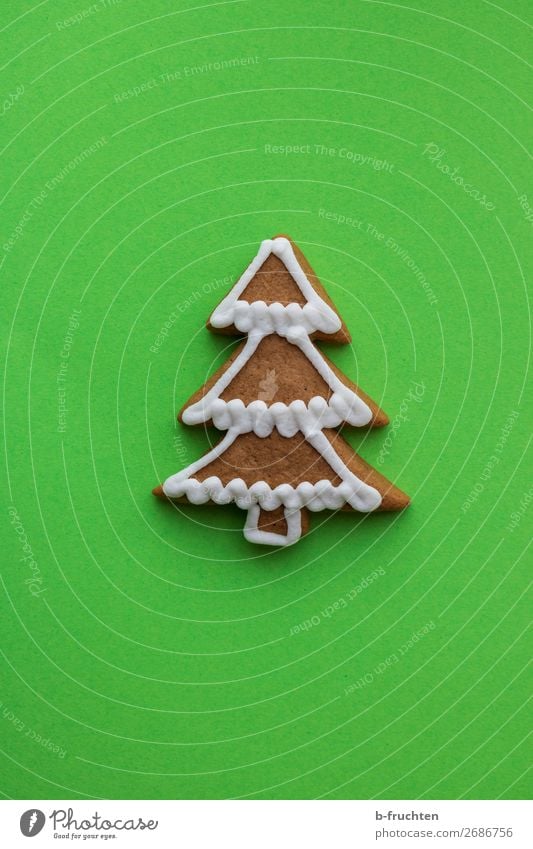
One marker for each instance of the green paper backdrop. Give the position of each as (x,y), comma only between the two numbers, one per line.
(147,149)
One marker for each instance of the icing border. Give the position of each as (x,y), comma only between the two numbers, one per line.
(288,419)
(315,315)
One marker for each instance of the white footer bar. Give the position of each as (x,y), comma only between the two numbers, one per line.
(267,824)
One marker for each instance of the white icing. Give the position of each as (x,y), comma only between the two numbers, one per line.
(318,496)
(343,406)
(254,534)
(314,315)
(322,495)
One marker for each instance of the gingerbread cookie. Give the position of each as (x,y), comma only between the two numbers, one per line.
(280,402)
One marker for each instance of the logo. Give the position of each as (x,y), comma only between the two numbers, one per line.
(268,386)
(31,822)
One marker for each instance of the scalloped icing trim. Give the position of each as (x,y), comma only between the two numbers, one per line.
(318,496)
(322,495)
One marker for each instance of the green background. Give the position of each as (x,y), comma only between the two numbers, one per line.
(162,656)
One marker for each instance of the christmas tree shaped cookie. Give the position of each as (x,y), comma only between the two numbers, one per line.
(279,401)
